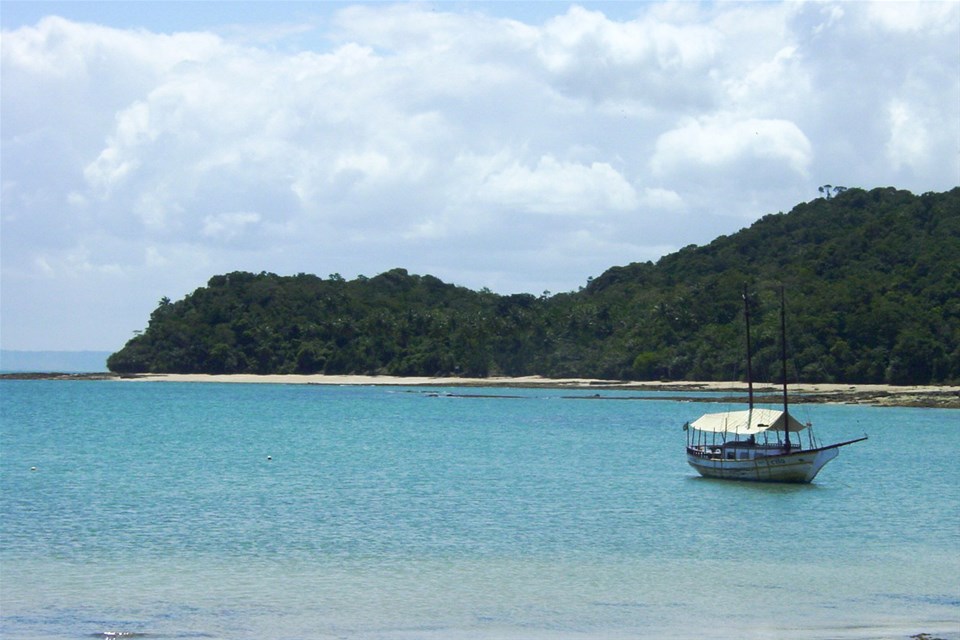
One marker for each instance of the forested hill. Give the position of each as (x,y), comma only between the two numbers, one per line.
(873,295)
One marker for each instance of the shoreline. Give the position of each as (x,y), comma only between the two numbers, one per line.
(930,396)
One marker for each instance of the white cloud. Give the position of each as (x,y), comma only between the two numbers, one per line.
(153,258)
(771,86)
(77,262)
(61,49)
(158,210)
(719,142)
(227,226)
(488,151)
(663,199)
(109,169)
(647,60)
(909,142)
(667,46)
(554,187)
(915,17)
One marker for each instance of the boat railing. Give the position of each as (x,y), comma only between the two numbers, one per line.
(732,451)
(705,452)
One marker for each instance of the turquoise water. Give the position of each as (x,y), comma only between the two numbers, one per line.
(285,511)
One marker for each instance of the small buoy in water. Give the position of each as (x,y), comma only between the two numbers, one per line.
(33,468)
(269,457)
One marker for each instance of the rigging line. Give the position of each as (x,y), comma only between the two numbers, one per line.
(798,334)
(746,315)
(783,364)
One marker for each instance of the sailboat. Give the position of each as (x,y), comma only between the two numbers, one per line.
(758,443)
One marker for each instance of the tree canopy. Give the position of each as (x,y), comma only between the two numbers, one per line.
(873,296)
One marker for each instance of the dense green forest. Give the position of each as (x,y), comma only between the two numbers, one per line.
(873,296)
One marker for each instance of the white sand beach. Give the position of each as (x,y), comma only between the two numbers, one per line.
(880,394)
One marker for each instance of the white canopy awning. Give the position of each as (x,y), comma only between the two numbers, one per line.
(748,422)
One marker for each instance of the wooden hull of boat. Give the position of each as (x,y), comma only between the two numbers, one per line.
(800,466)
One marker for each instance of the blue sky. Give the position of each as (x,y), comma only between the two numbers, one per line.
(188,15)
(523,147)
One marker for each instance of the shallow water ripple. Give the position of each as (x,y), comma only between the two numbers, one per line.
(252,511)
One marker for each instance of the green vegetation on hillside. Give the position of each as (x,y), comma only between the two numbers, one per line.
(873,295)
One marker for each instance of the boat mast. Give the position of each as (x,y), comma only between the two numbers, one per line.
(783,366)
(746,315)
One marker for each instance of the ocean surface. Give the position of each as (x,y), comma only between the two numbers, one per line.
(13,361)
(254,511)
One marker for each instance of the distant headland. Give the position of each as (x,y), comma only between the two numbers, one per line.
(872,281)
